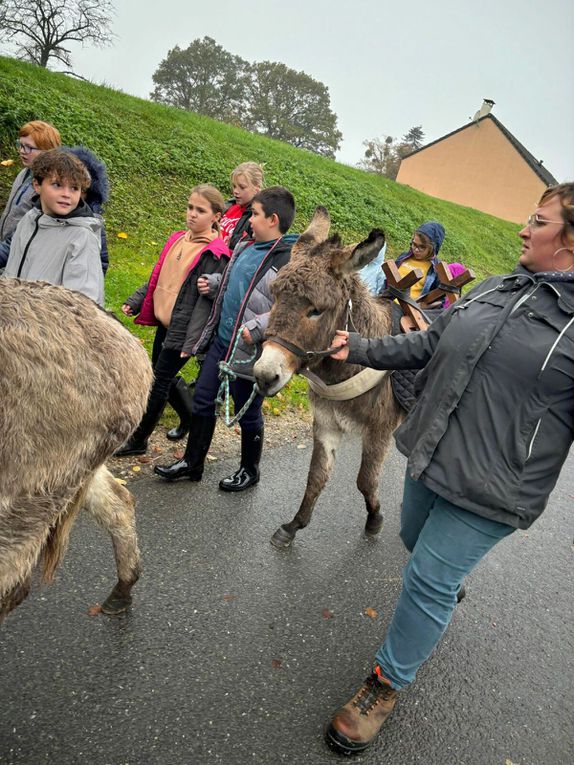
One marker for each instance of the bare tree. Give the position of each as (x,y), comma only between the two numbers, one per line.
(42,28)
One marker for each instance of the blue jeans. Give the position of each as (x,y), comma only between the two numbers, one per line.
(207,387)
(446,542)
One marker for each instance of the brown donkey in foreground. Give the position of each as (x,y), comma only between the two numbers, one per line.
(316,293)
(73,385)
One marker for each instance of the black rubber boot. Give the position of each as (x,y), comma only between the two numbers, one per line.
(137,442)
(181,399)
(248,473)
(198,443)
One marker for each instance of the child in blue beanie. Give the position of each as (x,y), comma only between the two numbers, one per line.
(423,254)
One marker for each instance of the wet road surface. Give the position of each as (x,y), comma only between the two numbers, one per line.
(235,652)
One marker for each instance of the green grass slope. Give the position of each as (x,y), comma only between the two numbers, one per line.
(155,154)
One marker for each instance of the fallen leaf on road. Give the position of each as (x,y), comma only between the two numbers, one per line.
(136,468)
(95,610)
(229,598)
(144,459)
(121,480)
(276,663)
(327,614)
(371,612)
(509,762)
(178,454)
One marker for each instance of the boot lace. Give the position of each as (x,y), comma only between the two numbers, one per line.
(372,692)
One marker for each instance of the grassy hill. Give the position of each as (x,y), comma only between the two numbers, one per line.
(155,154)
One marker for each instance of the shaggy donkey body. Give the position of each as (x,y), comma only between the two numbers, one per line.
(73,386)
(316,293)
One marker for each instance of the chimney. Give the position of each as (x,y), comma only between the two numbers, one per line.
(485,109)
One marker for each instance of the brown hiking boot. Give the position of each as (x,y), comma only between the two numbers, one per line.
(355,725)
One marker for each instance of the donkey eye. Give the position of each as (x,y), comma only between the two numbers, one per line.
(313,313)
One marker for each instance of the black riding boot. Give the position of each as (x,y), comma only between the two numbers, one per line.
(137,442)
(248,473)
(198,443)
(180,398)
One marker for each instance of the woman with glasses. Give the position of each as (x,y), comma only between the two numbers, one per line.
(33,138)
(485,441)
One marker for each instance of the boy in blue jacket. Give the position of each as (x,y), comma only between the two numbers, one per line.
(242,303)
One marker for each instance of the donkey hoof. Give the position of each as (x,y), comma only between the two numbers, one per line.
(116,604)
(282,538)
(373,525)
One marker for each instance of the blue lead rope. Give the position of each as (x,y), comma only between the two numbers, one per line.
(227,376)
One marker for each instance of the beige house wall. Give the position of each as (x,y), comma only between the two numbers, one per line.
(477,167)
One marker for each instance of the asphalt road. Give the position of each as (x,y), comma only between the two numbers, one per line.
(236,653)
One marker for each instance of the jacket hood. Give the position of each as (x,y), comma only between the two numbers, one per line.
(82,216)
(284,243)
(99,192)
(219,248)
(435,232)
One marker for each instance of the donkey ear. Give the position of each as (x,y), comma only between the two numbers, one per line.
(315,233)
(353,258)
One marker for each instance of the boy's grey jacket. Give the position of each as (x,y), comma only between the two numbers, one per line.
(255,307)
(19,202)
(62,251)
(494,418)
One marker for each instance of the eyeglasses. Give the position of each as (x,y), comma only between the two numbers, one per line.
(26,148)
(419,247)
(535,221)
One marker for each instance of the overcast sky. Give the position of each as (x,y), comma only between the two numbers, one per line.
(388,65)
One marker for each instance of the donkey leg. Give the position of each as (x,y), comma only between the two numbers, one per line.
(112,506)
(374,452)
(14,597)
(325,444)
(25,524)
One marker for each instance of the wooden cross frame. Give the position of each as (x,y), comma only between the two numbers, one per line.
(413,319)
(445,277)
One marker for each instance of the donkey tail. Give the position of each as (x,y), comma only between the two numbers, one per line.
(59,536)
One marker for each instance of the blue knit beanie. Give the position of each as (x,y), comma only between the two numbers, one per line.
(435,232)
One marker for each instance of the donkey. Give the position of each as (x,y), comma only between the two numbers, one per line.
(316,293)
(73,385)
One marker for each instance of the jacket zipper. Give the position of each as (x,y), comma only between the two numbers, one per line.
(555,343)
(28,246)
(247,296)
(531,444)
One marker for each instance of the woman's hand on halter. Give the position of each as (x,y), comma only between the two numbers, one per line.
(127,310)
(341,341)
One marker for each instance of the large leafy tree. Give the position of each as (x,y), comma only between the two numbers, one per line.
(267,97)
(292,107)
(203,78)
(42,29)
